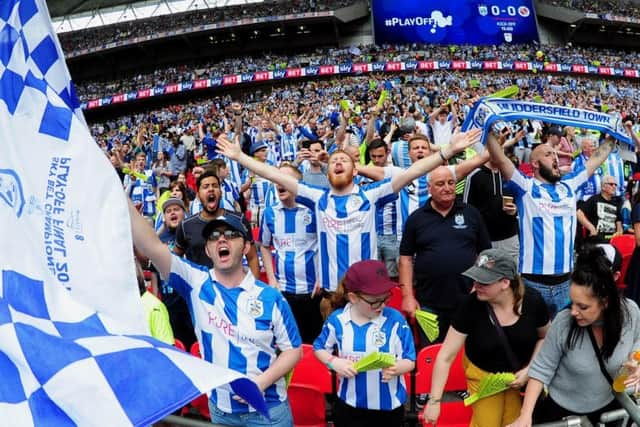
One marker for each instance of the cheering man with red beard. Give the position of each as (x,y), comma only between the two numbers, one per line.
(547,207)
(189,240)
(346,212)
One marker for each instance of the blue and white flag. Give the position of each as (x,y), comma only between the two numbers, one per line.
(73,344)
(488,111)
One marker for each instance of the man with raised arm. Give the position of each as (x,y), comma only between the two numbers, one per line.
(239,321)
(345,211)
(547,206)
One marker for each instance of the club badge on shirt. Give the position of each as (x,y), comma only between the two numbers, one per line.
(459,221)
(379,338)
(354,202)
(306,219)
(255,307)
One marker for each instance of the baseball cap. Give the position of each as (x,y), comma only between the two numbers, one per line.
(172,201)
(231,221)
(258,145)
(491,266)
(369,277)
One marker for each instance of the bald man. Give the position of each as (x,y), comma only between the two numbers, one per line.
(445,236)
(547,207)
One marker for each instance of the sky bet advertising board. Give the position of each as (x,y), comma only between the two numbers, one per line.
(454,21)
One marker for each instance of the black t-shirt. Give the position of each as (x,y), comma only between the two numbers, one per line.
(484,190)
(443,247)
(603,214)
(189,238)
(483,346)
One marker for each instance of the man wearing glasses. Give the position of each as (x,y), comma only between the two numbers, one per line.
(238,322)
(601,214)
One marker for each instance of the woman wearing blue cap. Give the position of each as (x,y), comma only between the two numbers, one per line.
(363,326)
(501,325)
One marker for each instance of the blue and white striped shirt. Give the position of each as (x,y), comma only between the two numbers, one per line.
(230,195)
(346,225)
(259,188)
(288,146)
(195,207)
(235,171)
(387,333)
(293,234)
(593,184)
(400,154)
(410,198)
(614,166)
(547,222)
(142,192)
(238,328)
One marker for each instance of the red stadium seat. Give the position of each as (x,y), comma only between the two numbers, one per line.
(312,373)
(195,349)
(308,406)
(526,169)
(625,244)
(178,344)
(199,405)
(395,301)
(452,414)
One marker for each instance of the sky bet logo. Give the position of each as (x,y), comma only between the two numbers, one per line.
(437,19)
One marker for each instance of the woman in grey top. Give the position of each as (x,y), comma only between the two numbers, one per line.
(567,363)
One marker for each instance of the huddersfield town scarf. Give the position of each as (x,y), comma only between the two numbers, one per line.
(488,111)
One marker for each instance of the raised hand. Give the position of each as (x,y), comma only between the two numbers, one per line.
(462,140)
(228,148)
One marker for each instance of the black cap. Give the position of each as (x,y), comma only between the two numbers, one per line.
(230,221)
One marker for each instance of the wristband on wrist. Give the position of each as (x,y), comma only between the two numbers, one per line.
(329,365)
(444,159)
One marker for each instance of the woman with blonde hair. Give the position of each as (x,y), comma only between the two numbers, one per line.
(501,325)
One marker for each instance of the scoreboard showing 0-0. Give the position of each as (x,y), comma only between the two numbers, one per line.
(473,22)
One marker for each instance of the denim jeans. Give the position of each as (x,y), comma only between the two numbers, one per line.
(280,417)
(389,252)
(556,297)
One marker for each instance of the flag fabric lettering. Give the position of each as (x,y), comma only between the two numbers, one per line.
(487,111)
(73,344)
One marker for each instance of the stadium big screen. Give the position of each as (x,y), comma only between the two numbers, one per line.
(454,21)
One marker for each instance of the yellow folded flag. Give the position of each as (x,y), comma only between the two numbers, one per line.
(136,174)
(429,324)
(383,96)
(490,385)
(507,92)
(375,360)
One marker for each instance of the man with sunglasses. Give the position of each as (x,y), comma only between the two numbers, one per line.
(239,322)
(601,214)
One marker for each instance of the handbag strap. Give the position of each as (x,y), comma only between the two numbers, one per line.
(513,360)
(599,356)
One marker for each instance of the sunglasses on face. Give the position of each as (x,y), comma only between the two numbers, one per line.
(228,235)
(375,303)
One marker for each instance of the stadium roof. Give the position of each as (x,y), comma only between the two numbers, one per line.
(66,7)
(61,8)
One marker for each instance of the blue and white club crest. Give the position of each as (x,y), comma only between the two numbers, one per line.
(255,307)
(458,219)
(11,191)
(483,10)
(379,338)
